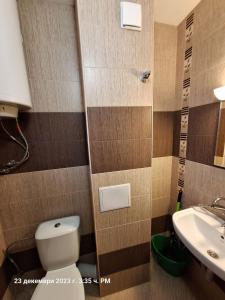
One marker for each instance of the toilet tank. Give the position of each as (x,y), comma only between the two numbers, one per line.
(58,242)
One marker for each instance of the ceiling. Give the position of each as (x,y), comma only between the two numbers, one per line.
(173,11)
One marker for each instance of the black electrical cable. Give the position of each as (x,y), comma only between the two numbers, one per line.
(12,164)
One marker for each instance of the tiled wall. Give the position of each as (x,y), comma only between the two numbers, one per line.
(165,44)
(203,182)
(55,181)
(119,117)
(166,124)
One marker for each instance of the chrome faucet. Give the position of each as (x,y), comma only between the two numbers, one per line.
(215,204)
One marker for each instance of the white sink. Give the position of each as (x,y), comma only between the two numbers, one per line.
(201,232)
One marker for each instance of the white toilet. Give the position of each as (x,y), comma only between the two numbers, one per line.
(58,243)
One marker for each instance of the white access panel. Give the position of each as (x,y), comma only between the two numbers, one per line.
(114,197)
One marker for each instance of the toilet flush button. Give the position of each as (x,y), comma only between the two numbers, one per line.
(57,225)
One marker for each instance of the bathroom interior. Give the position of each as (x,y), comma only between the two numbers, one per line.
(112,149)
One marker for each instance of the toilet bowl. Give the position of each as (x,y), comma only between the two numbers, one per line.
(58,243)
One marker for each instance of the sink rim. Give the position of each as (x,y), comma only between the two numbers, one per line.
(211,263)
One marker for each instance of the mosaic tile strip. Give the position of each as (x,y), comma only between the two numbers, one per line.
(185,101)
(188,60)
(189,28)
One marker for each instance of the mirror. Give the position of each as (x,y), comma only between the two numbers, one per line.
(219,158)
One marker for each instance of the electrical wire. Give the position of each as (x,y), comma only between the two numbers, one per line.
(9,256)
(12,164)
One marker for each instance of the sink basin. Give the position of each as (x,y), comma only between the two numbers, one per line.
(202,234)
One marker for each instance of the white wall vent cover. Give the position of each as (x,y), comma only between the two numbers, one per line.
(131,16)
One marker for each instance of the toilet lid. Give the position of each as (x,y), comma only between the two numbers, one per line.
(61,284)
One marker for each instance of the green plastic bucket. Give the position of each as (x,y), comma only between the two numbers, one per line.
(171,256)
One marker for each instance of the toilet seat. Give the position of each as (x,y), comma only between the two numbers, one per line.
(65,283)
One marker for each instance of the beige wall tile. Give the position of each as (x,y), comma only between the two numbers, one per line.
(204,83)
(208,12)
(140,210)
(202,183)
(112,66)
(52,56)
(208,52)
(53,61)
(161,185)
(115,87)
(140,181)
(165,67)
(116,47)
(174,181)
(180,64)
(34,197)
(43,184)
(55,96)
(161,167)
(43,20)
(161,206)
(119,237)
(22,213)
(20,233)
(93,54)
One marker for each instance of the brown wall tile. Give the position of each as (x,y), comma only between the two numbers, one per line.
(124,259)
(221,134)
(56,140)
(176,132)
(119,123)
(120,138)
(126,279)
(201,149)
(2,245)
(108,156)
(202,133)
(203,120)
(161,224)
(163,133)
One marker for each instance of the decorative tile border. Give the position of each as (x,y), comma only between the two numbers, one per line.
(185,100)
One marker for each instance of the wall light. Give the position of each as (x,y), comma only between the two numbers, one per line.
(220,93)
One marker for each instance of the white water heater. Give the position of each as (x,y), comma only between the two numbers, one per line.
(14,87)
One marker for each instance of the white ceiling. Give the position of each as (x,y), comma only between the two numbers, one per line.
(173,11)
